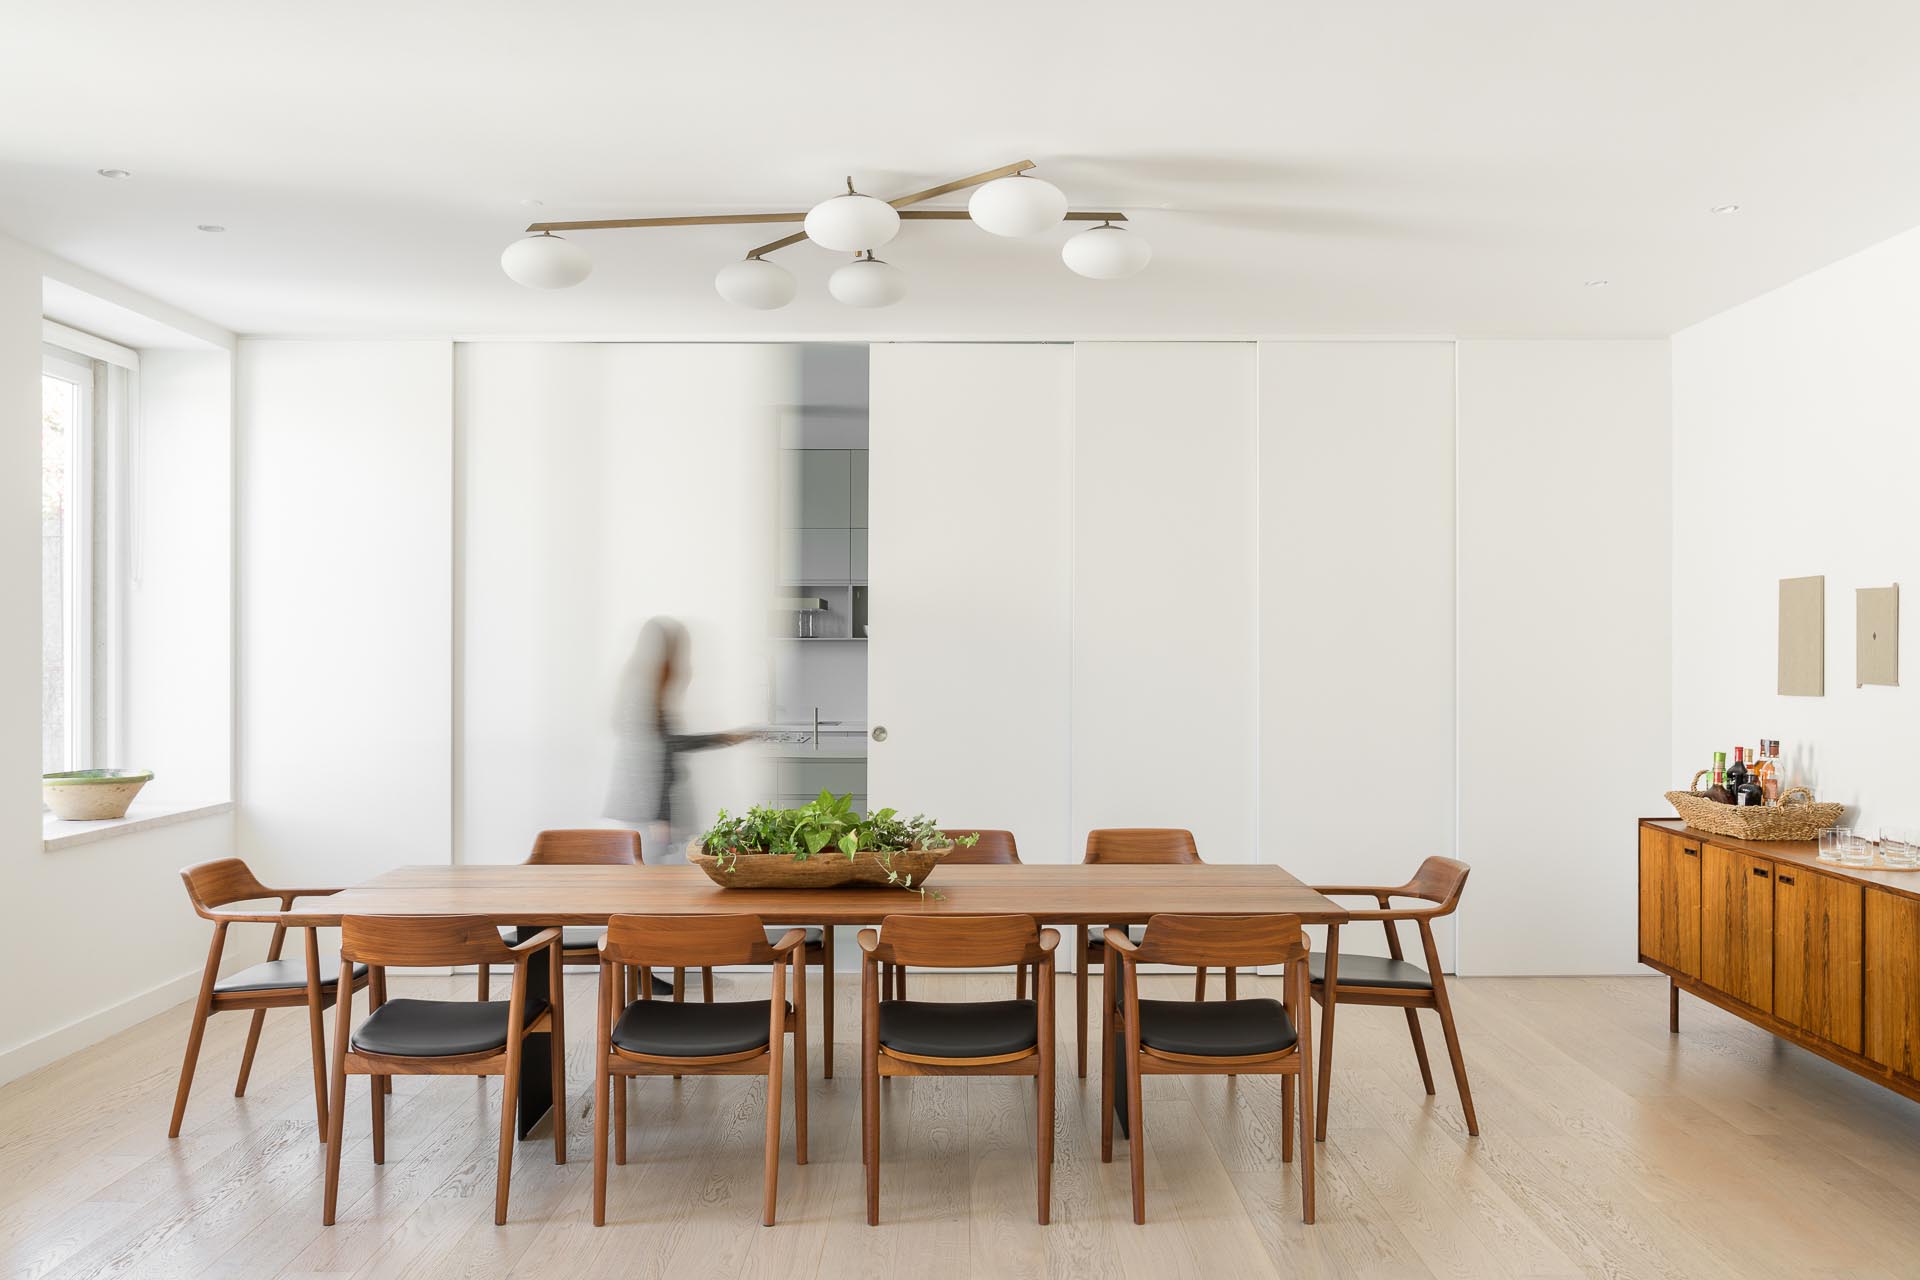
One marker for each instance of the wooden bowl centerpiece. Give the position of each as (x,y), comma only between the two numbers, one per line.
(823,844)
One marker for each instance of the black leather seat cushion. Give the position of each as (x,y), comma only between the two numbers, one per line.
(1216,1028)
(277,975)
(978,1029)
(438,1028)
(1371,971)
(776,932)
(665,1029)
(573,937)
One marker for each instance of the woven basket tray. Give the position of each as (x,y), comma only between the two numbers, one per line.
(1782,821)
(828,869)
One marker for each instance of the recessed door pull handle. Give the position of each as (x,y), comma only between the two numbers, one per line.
(1691,853)
(1786,880)
(1761,872)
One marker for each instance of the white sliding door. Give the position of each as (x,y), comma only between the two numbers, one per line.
(970,487)
(1357,617)
(1166,691)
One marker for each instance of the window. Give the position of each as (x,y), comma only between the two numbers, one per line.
(82,410)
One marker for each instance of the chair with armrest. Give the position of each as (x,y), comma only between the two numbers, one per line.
(311,983)
(956,1038)
(1224,1037)
(1130,846)
(446,1037)
(648,1037)
(585,846)
(1392,980)
(992,848)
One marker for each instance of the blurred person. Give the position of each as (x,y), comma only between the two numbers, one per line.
(647,790)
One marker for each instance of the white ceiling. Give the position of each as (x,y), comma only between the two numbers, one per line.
(1300,166)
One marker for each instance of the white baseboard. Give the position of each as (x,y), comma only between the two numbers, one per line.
(30,1055)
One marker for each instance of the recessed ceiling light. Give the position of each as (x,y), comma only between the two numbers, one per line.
(113,173)
(208,226)
(531,203)
(1725,208)
(1598,284)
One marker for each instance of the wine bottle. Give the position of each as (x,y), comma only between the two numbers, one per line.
(1719,768)
(1737,771)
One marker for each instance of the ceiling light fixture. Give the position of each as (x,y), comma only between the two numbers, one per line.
(1017,206)
(1106,252)
(755,283)
(212,228)
(1009,202)
(1598,284)
(868,282)
(114,173)
(545,261)
(852,223)
(1725,208)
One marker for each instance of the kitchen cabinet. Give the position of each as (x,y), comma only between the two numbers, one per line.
(858,468)
(859,555)
(1817,951)
(1736,924)
(1891,978)
(814,556)
(816,488)
(1670,900)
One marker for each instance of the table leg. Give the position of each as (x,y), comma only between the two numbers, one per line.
(1330,986)
(536,1057)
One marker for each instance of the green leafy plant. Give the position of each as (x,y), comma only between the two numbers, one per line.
(825,824)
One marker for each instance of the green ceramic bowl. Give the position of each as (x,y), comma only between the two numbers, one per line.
(90,795)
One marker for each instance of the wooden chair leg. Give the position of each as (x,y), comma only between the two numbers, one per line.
(1044,1106)
(316,1028)
(197,1029)
(1136,1127)
(1453,1054)
(557,1051)
(679,986)
(620,1083)
(800,1060)
(706,984)
(1233,984)
(601,1082)
(246,1058)
(486,983)
(1328,1003)
(336,1115)
(377,1094)
(1109,1067)
(1302,999)
(1286,1119)
(509,1093)
(1420,1049)
(770,1171)
(826,1001)
(1199,984)
(1080,1001)
(870,1088)
(1020,982)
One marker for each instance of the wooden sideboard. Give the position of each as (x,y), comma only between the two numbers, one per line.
(1823,955)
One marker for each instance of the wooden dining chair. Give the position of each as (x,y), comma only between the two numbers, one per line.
(580,944)
(1222,1037)
(1392,980)
(993,848)
(311,983)
(956,1038)
(445,1037)
(1130,846)
(648,1037)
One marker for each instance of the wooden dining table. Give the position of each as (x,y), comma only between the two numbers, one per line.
(534,897)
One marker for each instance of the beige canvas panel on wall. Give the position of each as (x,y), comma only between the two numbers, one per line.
(1803,636)
(1876,642)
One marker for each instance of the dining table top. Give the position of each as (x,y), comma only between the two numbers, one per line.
(1070,894)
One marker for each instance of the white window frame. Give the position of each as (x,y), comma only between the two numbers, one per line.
(94,541)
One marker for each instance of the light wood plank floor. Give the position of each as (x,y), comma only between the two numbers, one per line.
(1608,1147)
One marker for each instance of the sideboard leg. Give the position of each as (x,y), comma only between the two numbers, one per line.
(1673,1006)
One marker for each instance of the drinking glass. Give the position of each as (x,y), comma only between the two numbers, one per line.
(1857,851)
(1898,848)
(1830,838)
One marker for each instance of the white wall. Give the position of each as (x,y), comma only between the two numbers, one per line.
(1797,452)
(1165,591)
(179,639)
(345,485)
(124,889)
(601,485)
(1564,513)
(1357,612)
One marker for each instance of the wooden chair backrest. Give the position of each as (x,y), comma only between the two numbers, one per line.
(1226,941)
(958,942)
(687,942)
(1438,880)
(1141,845)
(409,942)
(224,880)
(591,846)
(991,847)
